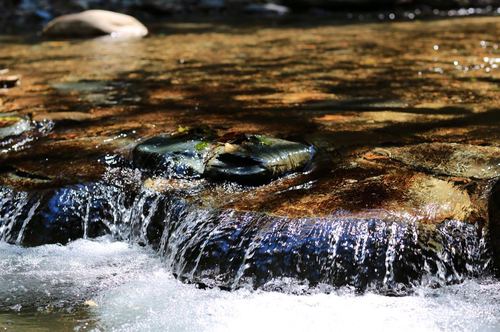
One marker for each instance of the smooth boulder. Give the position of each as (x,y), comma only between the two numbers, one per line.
(258,159)
(92,23)
(181,156)
(247,159)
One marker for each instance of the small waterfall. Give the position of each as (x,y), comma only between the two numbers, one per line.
(26,220)
(16,211)
(231,249)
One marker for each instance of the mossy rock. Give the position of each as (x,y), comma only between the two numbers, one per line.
(248,159)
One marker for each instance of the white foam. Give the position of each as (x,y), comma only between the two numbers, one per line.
(133,292)
(54,276)
(159,303)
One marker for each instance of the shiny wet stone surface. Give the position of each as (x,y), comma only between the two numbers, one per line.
(245,159)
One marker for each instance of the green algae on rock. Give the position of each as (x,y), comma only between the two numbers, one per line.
(94,23)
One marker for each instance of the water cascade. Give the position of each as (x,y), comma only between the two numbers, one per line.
(231,249)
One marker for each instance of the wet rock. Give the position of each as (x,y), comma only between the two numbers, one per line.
(182,155)
(7,82)
(494,225)
(94,23)
(53,216)
(231,250)
(17,177)
(251,159)
(83,86)
(12,124)
(462,160)
(258,159)
(267,9)
(95,92)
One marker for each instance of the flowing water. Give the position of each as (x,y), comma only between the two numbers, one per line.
(230,249)
(201,257)
(112,286)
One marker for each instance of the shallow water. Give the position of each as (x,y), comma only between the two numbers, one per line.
(103,285)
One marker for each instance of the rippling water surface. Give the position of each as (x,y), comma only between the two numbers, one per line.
(112,286)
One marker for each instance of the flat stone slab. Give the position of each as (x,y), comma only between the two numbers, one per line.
(451,159)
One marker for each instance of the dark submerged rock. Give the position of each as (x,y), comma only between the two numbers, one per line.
(494,225)
(246,249)
(52,216)
(211,4)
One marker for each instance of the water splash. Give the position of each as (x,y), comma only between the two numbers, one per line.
(231,249)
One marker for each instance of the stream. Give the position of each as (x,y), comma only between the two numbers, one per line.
(385,230)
